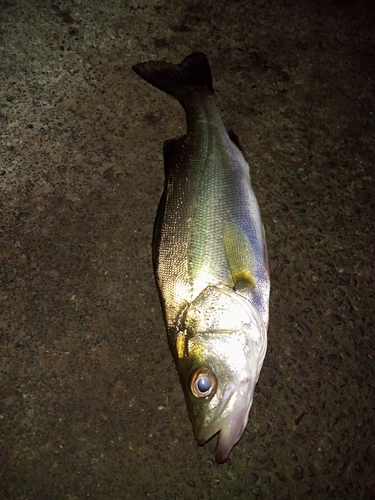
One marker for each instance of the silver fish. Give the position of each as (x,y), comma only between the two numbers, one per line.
(210,259)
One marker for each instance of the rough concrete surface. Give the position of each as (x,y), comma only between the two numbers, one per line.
(90,403)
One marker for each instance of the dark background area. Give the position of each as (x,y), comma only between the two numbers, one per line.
(90,403)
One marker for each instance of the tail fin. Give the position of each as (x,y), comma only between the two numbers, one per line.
(193,73)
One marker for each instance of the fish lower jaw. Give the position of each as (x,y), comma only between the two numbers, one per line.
(228,429)
(206,436)
(227,436)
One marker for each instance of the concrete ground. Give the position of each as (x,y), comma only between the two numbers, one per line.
(90,403)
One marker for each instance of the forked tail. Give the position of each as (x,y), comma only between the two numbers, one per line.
(192,74)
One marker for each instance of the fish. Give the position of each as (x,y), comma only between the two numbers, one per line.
(210,259)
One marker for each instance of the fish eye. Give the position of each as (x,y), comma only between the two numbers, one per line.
(202,383)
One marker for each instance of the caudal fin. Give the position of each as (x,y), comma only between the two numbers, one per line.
(193,73)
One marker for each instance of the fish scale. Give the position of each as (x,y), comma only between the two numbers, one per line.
(203,248)
(210,259)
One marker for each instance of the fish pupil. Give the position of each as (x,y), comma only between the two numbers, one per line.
(204,384)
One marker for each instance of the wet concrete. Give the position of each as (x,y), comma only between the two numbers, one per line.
(91,405)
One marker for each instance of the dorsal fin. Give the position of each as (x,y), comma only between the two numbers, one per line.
(235,139)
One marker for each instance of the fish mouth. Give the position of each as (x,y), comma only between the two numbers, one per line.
(229,427)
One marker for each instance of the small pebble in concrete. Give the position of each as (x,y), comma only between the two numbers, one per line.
(297,473)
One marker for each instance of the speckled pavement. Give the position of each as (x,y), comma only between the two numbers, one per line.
(90,403)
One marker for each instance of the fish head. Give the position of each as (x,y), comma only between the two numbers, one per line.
(225,345)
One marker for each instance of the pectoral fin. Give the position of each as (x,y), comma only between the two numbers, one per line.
(239,255)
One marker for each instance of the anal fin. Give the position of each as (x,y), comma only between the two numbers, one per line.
(172,149)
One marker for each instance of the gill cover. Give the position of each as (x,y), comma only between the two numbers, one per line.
(225,346)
